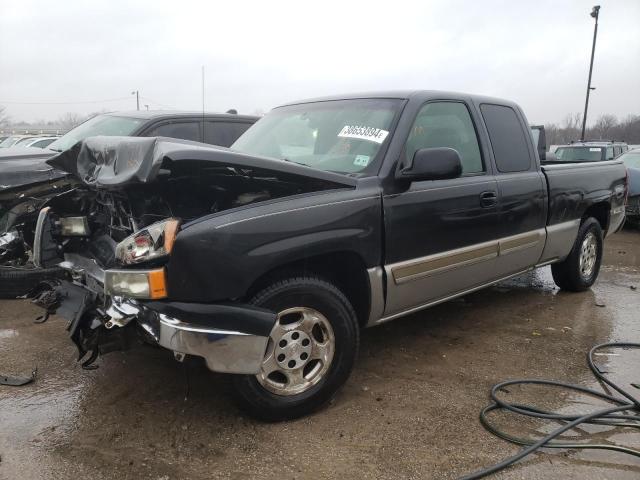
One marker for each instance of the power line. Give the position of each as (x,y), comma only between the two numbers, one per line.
(156,103)
(64,103)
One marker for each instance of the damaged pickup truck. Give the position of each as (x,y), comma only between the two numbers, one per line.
(326,216)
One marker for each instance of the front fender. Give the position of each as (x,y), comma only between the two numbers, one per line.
(220,257)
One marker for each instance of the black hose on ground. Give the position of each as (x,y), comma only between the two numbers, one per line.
(624,413)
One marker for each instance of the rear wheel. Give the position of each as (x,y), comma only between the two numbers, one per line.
(580,269)
(311,350)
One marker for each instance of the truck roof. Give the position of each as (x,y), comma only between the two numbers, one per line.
(594,143)
(420,95)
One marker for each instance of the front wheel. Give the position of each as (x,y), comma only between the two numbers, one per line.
(580,269)
(310,354)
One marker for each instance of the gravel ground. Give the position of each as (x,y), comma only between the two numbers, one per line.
(410,409)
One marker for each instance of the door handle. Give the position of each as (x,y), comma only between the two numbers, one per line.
(488,199)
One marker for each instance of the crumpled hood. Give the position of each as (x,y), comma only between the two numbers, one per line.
(634,181)
(114,162)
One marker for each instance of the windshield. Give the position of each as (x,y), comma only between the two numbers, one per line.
(23,141)
(342,136)
(631,159)
(9,141)
(108,125)
(579,154)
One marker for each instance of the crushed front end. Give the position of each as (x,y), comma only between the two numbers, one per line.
(110,309)
(115,244)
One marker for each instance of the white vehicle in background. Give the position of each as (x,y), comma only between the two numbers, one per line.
(590,151)
(35,142)
(12,140)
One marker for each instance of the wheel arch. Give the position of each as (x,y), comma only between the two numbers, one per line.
(345,269)
(601,211)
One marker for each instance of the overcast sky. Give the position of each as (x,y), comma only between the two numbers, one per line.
(258,54)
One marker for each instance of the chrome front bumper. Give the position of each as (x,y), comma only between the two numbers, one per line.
(231,338)
(226,351)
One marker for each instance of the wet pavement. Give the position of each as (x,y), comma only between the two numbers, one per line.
(410,409)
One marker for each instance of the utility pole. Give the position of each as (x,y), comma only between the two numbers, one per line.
(594,13)
(137,94)
(203,90)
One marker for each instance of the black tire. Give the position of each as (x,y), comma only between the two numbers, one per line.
(320,295)
(17,281)
(567,274)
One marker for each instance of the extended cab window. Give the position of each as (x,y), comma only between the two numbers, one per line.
(182,130)
(508,140)
(223,133)
(446,124)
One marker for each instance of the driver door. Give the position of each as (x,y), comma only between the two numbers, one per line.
(441,235)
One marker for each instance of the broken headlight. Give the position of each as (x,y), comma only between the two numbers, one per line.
(154,241)
(74,226)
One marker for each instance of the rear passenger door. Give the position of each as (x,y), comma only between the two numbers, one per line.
(223,133)
(521,187)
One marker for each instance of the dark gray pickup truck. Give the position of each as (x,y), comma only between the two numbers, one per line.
(326,216)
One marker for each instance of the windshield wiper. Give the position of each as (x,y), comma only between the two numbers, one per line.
(292,161)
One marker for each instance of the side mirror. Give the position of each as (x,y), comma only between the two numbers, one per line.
(432,164)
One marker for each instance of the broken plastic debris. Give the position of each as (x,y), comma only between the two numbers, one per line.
(18,380)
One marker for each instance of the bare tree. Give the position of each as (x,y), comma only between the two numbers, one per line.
(69,120)
(603,126)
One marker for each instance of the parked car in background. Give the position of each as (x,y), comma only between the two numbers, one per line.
(326,216)
(12,140)
(631,160)
(26,180)
(36,142)
(590,151)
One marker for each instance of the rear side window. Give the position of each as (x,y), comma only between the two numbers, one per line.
(609,153)
(223,133)
(181,130)
(617,151)
(446,124)
(508,140)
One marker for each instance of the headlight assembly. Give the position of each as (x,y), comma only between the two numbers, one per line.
(154,241)
(136,283)
(74,226)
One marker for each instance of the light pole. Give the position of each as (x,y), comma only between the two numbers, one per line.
(594,13)
(137,94)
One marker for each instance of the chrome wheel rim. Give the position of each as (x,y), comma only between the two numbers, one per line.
(588,255)
(299,353)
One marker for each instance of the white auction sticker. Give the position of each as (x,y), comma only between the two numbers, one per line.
(371,134)
(594,149)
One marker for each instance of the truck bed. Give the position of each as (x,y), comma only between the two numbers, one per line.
(575,187)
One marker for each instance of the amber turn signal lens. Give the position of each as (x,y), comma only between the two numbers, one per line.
(157,284)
